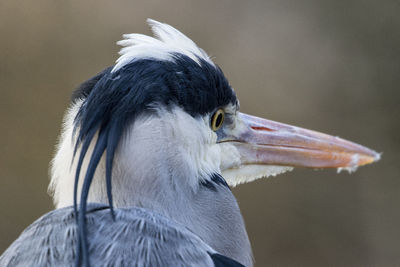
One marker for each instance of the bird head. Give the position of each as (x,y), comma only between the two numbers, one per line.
(166,110)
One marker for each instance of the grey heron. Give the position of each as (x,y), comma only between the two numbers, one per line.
(147,155)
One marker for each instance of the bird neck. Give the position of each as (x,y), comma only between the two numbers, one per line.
(156,167)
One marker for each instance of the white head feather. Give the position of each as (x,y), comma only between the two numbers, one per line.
(167,42)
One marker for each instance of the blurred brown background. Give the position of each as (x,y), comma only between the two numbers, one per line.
(332,66)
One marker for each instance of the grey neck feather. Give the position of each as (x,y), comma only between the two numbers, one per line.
(159,166)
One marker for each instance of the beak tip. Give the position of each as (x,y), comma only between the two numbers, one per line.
(377,156)
(371,158)
(359,160)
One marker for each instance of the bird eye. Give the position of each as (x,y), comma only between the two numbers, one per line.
(217,119)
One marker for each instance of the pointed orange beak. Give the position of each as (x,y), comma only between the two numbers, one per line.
(261,141)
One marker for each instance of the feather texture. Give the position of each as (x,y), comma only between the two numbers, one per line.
(137,237)
(168,42)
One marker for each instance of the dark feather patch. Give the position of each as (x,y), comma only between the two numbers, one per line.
(112,101)
(215,179)
(223,261)
(86,87)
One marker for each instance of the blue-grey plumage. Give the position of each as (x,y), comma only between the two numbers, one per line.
(137,237)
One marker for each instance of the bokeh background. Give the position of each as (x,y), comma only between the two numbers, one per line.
(328,65)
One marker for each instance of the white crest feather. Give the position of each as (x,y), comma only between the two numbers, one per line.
(163,46)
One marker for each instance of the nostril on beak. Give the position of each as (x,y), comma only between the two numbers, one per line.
(261,128)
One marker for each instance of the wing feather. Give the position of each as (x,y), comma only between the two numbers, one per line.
(137,237)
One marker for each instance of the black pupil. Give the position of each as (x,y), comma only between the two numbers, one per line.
(218,121)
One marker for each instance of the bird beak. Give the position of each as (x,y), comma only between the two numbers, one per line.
(265,142)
